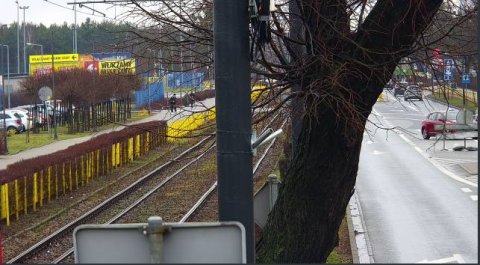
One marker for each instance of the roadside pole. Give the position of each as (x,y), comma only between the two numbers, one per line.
(55,135)
(233,116)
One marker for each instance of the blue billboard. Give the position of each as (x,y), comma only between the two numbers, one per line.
(112,56)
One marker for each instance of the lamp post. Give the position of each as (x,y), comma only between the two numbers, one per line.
(53,70)
(41,50)
(3,99)
(94,114)
(24,40)
(55,135)
(18,37)
(8,71)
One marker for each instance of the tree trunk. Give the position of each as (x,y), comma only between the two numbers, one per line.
(342,85)
(314,193)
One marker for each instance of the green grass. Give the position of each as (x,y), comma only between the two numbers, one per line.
(17,143)
(334,258)
(455,101)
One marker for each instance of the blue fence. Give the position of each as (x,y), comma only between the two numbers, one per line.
(185,80)
(175,80)
(157,92)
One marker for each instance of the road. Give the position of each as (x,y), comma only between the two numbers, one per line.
(412,210)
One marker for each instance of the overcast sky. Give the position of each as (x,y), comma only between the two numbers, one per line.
(52,11)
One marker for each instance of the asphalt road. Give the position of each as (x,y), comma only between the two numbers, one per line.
(413,211)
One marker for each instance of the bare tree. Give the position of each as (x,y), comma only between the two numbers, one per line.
(333,58)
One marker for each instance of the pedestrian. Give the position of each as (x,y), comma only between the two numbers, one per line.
(173,103)
(192,99)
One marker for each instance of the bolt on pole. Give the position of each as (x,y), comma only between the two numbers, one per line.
(233,116)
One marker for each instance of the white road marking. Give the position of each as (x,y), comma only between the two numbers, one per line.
(417,148)
(455,257)
(474,197)
(438,166)
(466,190)
(412,108)
(399,110)
(375,152)
(369,142)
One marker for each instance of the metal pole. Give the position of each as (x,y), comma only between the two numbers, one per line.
(234,151)
(3,102)
(148,84)
(8,74)
(18,37)
(55,135)
(75,28)
(24,41)
(95,129)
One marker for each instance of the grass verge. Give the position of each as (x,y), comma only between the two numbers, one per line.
(17,143)
(454,100)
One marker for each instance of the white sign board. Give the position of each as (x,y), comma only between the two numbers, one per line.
(222,242)
(447,69)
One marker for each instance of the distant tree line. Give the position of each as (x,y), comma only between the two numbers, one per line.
(105,34)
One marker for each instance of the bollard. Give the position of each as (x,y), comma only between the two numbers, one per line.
(273,184)
(155,232)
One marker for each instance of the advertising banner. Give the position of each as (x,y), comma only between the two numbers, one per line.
(84,58)
(91,66)
(124,67)
(37,69)
(58,58)
(112,56)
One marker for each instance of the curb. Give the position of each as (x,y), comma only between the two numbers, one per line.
(359,243)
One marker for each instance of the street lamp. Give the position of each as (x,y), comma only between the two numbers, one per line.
(8,70)
(41,49)
(18,37)
(3,98)
(24,48)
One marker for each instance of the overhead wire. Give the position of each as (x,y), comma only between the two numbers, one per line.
(89,14)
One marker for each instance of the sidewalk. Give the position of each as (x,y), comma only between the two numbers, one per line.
(164,115)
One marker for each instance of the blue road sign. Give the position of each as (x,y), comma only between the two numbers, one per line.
(447,69)
(466,79)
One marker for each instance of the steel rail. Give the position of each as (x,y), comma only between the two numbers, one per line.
(203,199)
(99,208)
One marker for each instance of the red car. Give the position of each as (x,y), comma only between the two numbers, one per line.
(437,117)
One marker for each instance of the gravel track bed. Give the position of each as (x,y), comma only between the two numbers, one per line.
(63,210)
(208,211)
(59,246)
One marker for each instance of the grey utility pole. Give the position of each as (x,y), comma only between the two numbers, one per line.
(24,41)
(233,116)
(55,135)
(3,97)
(75,49)
(8,73)
(18,37)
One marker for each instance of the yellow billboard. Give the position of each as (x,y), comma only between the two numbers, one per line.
(58,58)
(37,69)
(126,66)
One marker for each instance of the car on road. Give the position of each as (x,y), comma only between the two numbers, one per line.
(438,117)
(13,123)
(413,92)
(399,88)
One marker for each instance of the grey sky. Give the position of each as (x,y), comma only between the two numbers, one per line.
(48,12)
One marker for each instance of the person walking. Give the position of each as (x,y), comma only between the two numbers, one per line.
(173,103)
(192,99)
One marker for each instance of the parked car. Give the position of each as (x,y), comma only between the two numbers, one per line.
(12,123)
(438,117)
(413,92)
(23,115)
